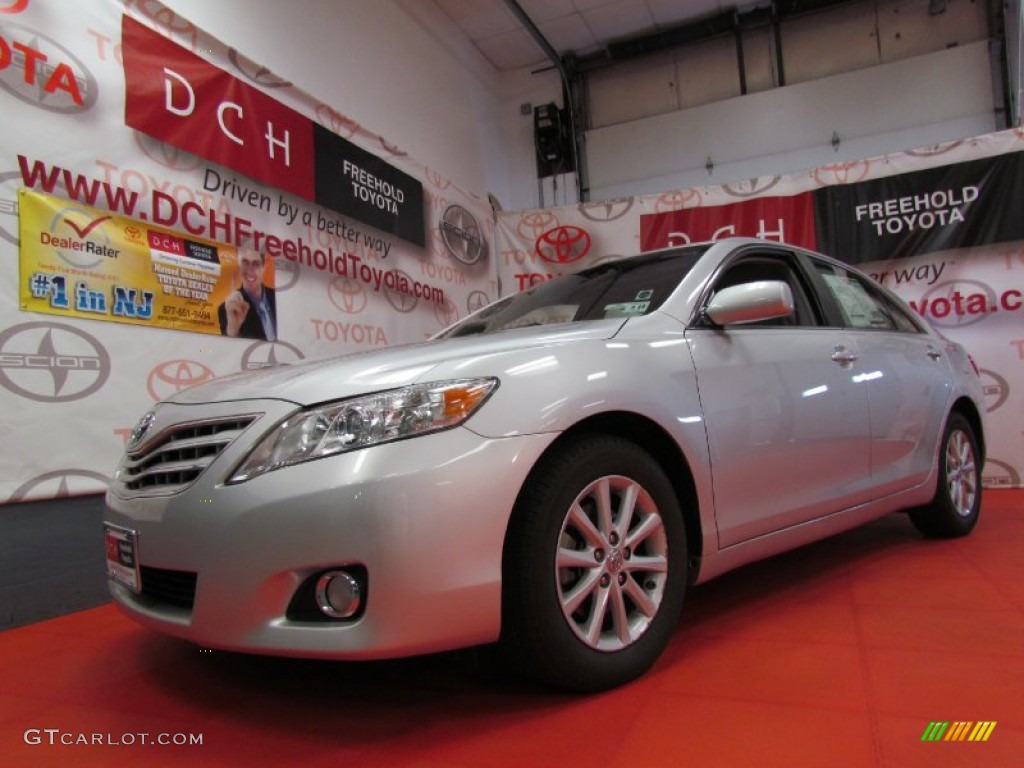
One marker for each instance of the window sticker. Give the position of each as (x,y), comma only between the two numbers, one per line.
(626,309)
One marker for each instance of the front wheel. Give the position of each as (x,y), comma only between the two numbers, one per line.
(954,510)
(595,565)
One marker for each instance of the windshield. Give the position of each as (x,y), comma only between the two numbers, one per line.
(621,288)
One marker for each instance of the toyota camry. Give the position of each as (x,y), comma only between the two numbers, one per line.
(551,473)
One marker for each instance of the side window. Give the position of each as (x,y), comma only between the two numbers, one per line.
(753,268)
(861,304)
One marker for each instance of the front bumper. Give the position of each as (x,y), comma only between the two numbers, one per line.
(426,517)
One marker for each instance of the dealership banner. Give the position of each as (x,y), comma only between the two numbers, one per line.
(936,209)
(940,226)
(78,261)
(788,219)
(123,227)
(178,97)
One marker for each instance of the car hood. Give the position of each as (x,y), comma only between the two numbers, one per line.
(321,381)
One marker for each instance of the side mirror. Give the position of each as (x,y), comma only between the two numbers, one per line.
(750,303)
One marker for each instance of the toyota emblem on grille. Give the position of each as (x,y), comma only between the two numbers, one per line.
(140,430)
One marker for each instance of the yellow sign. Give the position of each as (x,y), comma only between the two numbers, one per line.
(77,261)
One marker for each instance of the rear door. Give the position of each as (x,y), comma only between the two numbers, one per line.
(787,423)
(904,372)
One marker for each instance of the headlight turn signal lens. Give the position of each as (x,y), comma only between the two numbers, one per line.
(365,421)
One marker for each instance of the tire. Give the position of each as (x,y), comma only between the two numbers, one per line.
(591,594)
(954,510)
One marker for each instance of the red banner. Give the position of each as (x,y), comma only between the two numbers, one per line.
(177,97)
(785,219)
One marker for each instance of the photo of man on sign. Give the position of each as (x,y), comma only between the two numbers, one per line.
(250,311)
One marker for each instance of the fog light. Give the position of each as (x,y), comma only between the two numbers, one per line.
(338,594)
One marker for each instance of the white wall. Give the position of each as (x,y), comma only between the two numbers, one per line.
(912,103)
(397,67)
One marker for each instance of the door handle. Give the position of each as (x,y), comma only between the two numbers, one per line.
(934,354)
(843,356)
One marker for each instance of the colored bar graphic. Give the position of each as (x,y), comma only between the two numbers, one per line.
(960,730)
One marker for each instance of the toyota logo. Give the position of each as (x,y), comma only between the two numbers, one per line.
(607,210)
(753,187)
(338,123)
(59,82)
(347,295)
(532,225)
(678,199)
(944,304)
(462,236)
(166,154)
(256,72)
(140,430)
(51,362)
(269,354)
(172,376)
(563,245)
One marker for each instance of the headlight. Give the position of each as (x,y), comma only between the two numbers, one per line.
(365,421)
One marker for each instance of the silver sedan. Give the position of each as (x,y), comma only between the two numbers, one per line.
(553,472)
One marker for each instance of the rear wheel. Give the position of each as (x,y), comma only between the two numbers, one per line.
(954,510)
(594,566)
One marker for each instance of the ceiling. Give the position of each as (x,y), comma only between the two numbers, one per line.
(579,26)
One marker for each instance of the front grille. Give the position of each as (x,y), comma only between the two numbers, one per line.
(177,588)
(179,455)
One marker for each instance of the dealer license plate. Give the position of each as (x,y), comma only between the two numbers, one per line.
(123,556)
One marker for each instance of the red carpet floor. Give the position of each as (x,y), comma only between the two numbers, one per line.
(839,654)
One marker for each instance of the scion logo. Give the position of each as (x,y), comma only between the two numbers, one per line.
(269,354)
(255,72)
(753,187)
(842,173)
(446,313)
(607,210)
(40,71)
(51,362)
(9,184)
(167,155)
(532,225)
(60,484)
(476,300)
(70,227)
(172,376)
(402,302)
(678,199)
(563,245)
(462,235)
(286,274)
(347,295)
(996,389)
(999,474)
